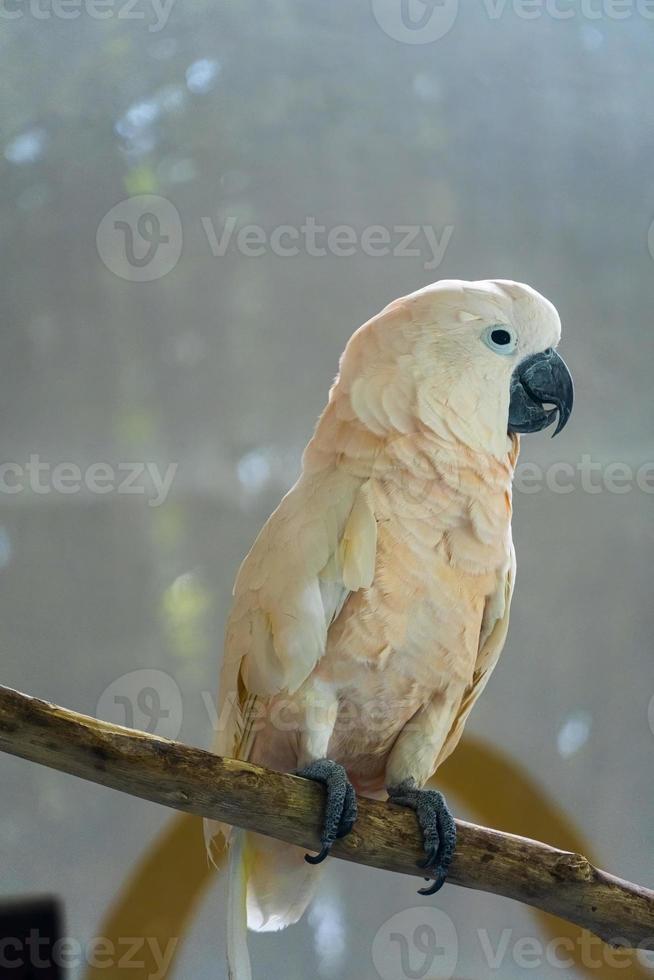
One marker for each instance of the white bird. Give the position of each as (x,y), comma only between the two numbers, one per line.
(374,603)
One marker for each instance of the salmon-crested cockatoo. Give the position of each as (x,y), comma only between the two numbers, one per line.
(374,603)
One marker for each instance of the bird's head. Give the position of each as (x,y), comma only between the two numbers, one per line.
(475,358)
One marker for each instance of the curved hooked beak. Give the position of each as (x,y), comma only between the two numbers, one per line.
(542,379)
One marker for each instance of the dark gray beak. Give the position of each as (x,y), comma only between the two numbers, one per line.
(542,379)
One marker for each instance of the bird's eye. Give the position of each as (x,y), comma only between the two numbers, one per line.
(500,339)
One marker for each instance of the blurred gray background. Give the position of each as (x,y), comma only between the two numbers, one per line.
(524,142)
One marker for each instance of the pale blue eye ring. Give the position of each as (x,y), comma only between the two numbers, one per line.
(500,338)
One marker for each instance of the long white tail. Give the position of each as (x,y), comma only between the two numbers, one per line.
(269,887)
(238,958)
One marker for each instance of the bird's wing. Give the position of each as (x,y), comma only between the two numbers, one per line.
(494,626)
(316,548)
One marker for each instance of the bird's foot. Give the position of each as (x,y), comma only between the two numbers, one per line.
(437,825)
(340,807)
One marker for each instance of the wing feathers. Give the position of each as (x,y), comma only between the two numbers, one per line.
(358,546)
(494,627)
(316,548)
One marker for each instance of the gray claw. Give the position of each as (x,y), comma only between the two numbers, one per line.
(340,806)
(437,825)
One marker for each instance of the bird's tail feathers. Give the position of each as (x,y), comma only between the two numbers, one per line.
(269,887)
(238,958)
(280,884)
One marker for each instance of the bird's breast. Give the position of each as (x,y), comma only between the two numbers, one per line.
(415,632)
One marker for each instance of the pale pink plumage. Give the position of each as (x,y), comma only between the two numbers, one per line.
(374,603)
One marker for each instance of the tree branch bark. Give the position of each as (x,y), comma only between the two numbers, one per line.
(289,808)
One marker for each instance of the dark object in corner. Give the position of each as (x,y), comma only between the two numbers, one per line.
(30,939)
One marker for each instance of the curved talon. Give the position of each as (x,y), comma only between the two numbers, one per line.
(438,884)
(318,858)
(340,805)
(438,830)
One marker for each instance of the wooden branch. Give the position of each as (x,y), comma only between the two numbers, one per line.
(289,808)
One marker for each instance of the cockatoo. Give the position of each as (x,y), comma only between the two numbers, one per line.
(374,603)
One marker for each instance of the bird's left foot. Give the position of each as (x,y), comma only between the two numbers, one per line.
(340,807)
(437,825)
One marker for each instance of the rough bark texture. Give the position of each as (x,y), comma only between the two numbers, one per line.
(289,809)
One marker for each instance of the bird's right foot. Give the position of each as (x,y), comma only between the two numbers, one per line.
(340,807)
